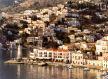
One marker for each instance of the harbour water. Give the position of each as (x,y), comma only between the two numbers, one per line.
(23,71)
(13,71)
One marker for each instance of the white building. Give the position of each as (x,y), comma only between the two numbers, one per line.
(51,54)
(102,45)
(105,60)
(44,54)
(78,59)
(95,63)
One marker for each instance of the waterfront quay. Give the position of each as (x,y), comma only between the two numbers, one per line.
(49,63)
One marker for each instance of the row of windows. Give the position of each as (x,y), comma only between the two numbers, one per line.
(77,57)
(94,64)
(46,52)
(105,65)
(76,62)
(45,55)
(105,57)
(55,53)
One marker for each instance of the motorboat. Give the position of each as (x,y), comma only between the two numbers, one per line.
(70,67)
(106,77)
(86,69)
(105,74)
(42,64)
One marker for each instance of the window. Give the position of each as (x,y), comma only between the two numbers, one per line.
(81,62)
(50,55)
(79,57)
(60,53)
(45,52)
(45,55)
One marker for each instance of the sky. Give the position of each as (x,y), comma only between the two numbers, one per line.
(5,2)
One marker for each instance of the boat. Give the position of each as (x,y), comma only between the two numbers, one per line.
(104,74)
(64,65)
(102,69)
(56,65)
(86,69)
(42,64)
(106,77)
(70,67)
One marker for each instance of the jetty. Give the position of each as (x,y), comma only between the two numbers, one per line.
(13,62)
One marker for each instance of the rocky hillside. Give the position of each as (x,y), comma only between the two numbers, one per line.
(20,5)
(4,3)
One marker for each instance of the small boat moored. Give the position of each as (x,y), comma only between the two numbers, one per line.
(42,64)
(56,65)
(106,77)
(105,74)
(86,69)
(70,67)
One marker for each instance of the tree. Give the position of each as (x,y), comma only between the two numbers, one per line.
(46,23)
(34,18)
(52,17)
(2,20)
(66,40)
(23,22)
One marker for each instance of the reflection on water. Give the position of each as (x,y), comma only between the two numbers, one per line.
(36,72)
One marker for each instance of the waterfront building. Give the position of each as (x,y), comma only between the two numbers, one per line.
(102,45)
(105,60)
(78,59)
(94,63)
(62,55)
(51,54)
(45,54)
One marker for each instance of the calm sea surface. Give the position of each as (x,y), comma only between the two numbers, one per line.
(12,71)
(36,72)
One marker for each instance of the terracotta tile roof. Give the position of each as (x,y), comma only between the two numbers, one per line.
(56,50)
(60,50)
(65,50)
(105,40)
(49,49)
